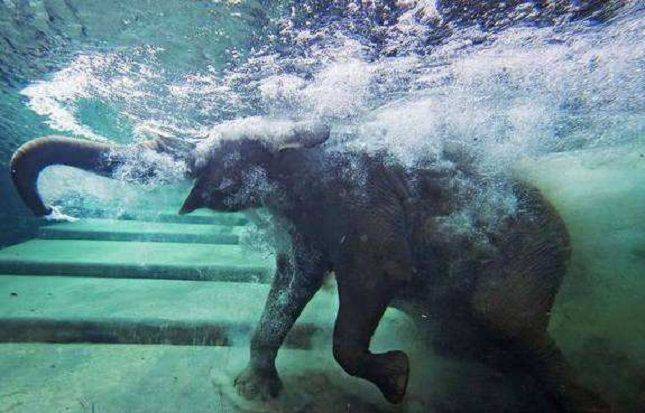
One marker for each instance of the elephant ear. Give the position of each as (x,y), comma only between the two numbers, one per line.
(170,145)
(304,135)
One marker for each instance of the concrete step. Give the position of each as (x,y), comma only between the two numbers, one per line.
(200,217)
(125,230)
(167,379)
(76,309)
(115,259)
(64,309)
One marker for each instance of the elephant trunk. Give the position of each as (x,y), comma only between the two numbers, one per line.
(34,156)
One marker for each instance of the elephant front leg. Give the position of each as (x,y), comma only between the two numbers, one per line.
(293,286)
(362,305)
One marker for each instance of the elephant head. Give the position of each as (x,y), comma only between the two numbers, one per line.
(234,173)
(100,158)
(221,170)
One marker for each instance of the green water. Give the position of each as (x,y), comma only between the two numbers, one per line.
(133,308)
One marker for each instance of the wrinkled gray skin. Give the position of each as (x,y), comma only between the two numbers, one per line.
(375,224)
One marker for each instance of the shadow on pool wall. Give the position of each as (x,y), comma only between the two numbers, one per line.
(20,64)
(16,222)
(17,125)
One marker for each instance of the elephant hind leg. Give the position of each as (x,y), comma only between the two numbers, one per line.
(512,311)
(532,365)
(543,360)
(361,308)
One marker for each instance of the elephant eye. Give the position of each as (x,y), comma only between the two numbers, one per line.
(231,159)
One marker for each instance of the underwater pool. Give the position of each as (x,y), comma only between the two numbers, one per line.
(115,302)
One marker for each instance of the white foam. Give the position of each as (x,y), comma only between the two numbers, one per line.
(57,216)
(501,96)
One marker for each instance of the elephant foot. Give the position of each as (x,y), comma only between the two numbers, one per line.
(258,385)
(391,374)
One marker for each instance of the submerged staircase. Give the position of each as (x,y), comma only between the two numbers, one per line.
(178,280)
(69,296)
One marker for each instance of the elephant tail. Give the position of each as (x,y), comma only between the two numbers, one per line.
(34,156)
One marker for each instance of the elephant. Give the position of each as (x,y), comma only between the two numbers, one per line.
(380,227)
